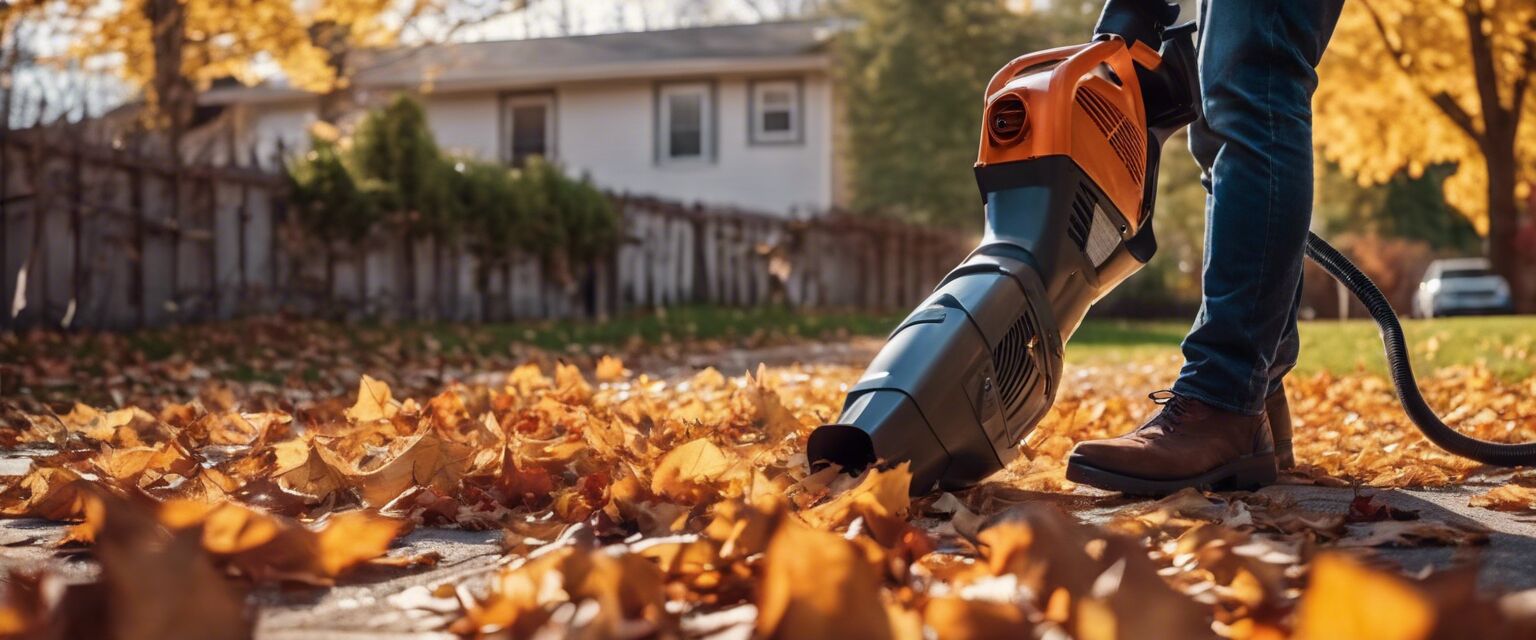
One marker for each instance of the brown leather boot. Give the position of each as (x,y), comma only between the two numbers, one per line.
(1187,444)
(1278,411)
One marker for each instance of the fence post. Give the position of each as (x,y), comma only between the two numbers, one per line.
(242,216)
(42,198)
(5,215)
(77,271)
(210,216)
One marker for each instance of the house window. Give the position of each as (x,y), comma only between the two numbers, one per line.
(776,111)
(685,125)
(530,128)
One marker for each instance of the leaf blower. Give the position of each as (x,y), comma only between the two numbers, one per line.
(1067,170)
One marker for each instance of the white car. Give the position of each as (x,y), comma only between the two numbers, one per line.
(1461,286)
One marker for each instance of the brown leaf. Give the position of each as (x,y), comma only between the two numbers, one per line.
(816,584)
(609,369)
(1366,508)
(310,469)
(963,619)
(142,466)
(626,592)
(163,586)
(769,414)
(427,460)
(46,492)
(1416,533)
(1116,592)
(1509,497)
(265,546)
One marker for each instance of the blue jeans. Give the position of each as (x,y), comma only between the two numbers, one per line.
(1258,62)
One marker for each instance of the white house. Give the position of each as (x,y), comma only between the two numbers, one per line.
(740,115)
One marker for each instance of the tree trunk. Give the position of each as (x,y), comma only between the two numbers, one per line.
(174,95)
(1503,217)
(332,38)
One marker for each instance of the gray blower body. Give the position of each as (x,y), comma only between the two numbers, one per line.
(971,371)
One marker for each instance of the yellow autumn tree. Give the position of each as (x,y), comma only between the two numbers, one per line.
(173,48)
(1411,83)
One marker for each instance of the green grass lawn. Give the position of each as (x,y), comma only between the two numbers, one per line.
(1505,344)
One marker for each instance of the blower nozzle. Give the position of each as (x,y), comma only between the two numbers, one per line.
(960,381)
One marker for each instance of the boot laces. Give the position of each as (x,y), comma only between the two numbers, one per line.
(1173,404)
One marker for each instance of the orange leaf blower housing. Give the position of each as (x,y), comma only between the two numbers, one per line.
(1067,170)
(1082,101)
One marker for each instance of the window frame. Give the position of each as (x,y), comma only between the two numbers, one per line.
(756,134)
(512,100)
(708,122)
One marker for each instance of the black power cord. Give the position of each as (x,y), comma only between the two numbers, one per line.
(1447,438)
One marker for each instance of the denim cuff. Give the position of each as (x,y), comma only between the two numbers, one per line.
(1182,387)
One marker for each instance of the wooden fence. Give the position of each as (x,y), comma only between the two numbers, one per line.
(97,237)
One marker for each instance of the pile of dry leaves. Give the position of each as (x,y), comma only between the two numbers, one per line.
(639,507)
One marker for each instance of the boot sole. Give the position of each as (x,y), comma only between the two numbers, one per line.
(1246,473)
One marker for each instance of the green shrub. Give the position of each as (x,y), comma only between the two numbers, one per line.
(327,199)
(394,171)
(395,149)
(574,211)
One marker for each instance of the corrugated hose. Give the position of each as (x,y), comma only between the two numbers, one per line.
(1493,453)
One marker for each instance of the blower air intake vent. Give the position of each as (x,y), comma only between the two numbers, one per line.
(1128,145)
(1082,217)
(1015,362)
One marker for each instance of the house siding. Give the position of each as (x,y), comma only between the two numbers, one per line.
(607,130)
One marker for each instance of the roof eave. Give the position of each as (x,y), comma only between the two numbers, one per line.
(518,80)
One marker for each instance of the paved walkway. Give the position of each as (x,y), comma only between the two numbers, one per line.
(379,603)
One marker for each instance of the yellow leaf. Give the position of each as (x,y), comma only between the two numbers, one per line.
(817,585)
(609,369)
(881,498)
(1345,599)
(373,401)
(693,471)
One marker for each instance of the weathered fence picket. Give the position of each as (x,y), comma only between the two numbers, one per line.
(112,238)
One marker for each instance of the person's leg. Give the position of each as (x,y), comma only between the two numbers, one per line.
(1289,348)
(1258,63)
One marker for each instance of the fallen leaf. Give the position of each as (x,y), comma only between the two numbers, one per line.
(1417,533)
(427,460)
(374,402)
(162,585)
(881,499)
(1509,497)
(696,470)
(816,584)
(609,369)
(1347,600)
